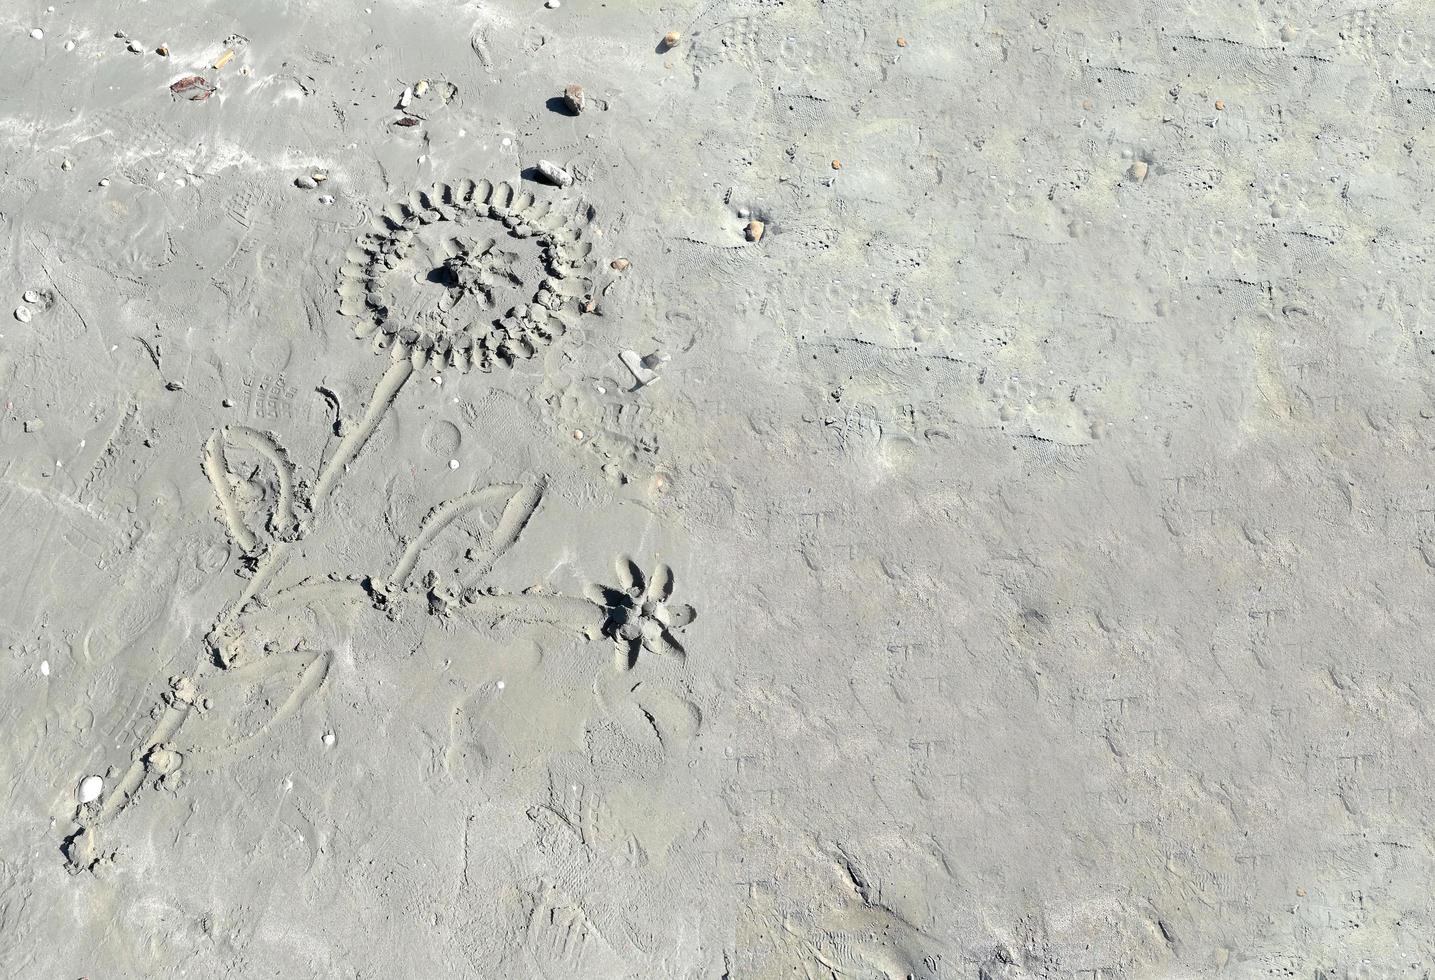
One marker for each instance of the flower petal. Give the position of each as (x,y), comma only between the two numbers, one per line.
(661,585)
(676,617)
(626,655)
(665,644)
(630,577)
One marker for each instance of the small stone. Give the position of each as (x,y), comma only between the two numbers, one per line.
(574,98)
(554,174)
(319,178)
(1138,170)
(453,464)
(162,50)
(31,296)
(406,97)
(420,87)
(552,4)
(38,34)
(671,39)
(135,47)
(90,788)
(228,403)
(329,738)
(69,45)
(619,265)
(34,425)
(1220,105)
(66,165)
(104,182)
(836,164)
(755,230)
(305,183)
(901,42)
(44,668)
(22,313)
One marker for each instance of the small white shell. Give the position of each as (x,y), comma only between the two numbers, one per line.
(90,788)
(554,174)
(22,313)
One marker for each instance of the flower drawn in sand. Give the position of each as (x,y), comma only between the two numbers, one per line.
(427,281)
(641,616)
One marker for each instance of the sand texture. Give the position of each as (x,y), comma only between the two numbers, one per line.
(752,489)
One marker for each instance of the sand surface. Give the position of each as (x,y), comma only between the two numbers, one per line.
(861,491)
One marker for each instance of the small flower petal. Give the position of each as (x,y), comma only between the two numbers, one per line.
(661,587)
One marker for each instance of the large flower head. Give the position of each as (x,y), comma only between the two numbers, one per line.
(466,275)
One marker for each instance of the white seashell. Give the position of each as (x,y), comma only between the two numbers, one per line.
(22,313)
(90,788)
(554,174)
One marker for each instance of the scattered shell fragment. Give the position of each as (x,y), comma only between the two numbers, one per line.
(671,39)
(642,374)
(574,98)
(90,788)
(305,182)
(619,264)
(406,121)
(37,34)
(554,174)
(195,86)
(224,59)
(755,229)
(22,313)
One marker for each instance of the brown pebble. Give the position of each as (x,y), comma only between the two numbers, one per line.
(901,42)
(619,264)
(1220,105)
(836,164)
(671,39)
(162,50)
(574,98)
(755,229)
(1138,170)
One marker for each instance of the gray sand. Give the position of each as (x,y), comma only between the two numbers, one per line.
(1011,557)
